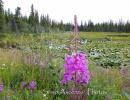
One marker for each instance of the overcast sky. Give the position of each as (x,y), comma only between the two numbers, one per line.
(96,10)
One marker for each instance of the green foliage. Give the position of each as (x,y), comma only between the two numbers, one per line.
(2,19)
(17,23)
(105,26)
(105,83)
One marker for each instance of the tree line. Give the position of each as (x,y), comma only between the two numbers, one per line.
(109,26)
(35,23)
(16,22)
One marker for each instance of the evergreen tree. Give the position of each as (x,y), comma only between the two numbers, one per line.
(61,26)
(32,16)
(81,28)
(85,26)
(17,20)
(36,17)
(127,27)
(90,26)
(2,17)
(120,26)
(68,26)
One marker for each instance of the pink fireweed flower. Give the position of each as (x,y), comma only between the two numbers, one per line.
(1,87)
(76,69)
(32,85)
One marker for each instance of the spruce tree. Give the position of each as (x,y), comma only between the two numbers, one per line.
(2,19)
(32,16)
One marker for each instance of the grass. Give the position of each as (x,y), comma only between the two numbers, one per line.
(41,57)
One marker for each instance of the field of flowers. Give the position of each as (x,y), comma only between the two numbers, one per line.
(32,67)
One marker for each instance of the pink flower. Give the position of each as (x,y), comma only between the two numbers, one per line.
(32,85)
(1,87)
(76,65)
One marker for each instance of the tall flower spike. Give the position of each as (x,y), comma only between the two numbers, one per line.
(76,66)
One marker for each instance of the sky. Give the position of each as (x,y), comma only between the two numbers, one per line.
(96,10)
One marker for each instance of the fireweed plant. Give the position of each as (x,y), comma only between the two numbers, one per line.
(76,64)
(76,69)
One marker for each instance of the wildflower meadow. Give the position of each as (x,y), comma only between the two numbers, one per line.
(65,66)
